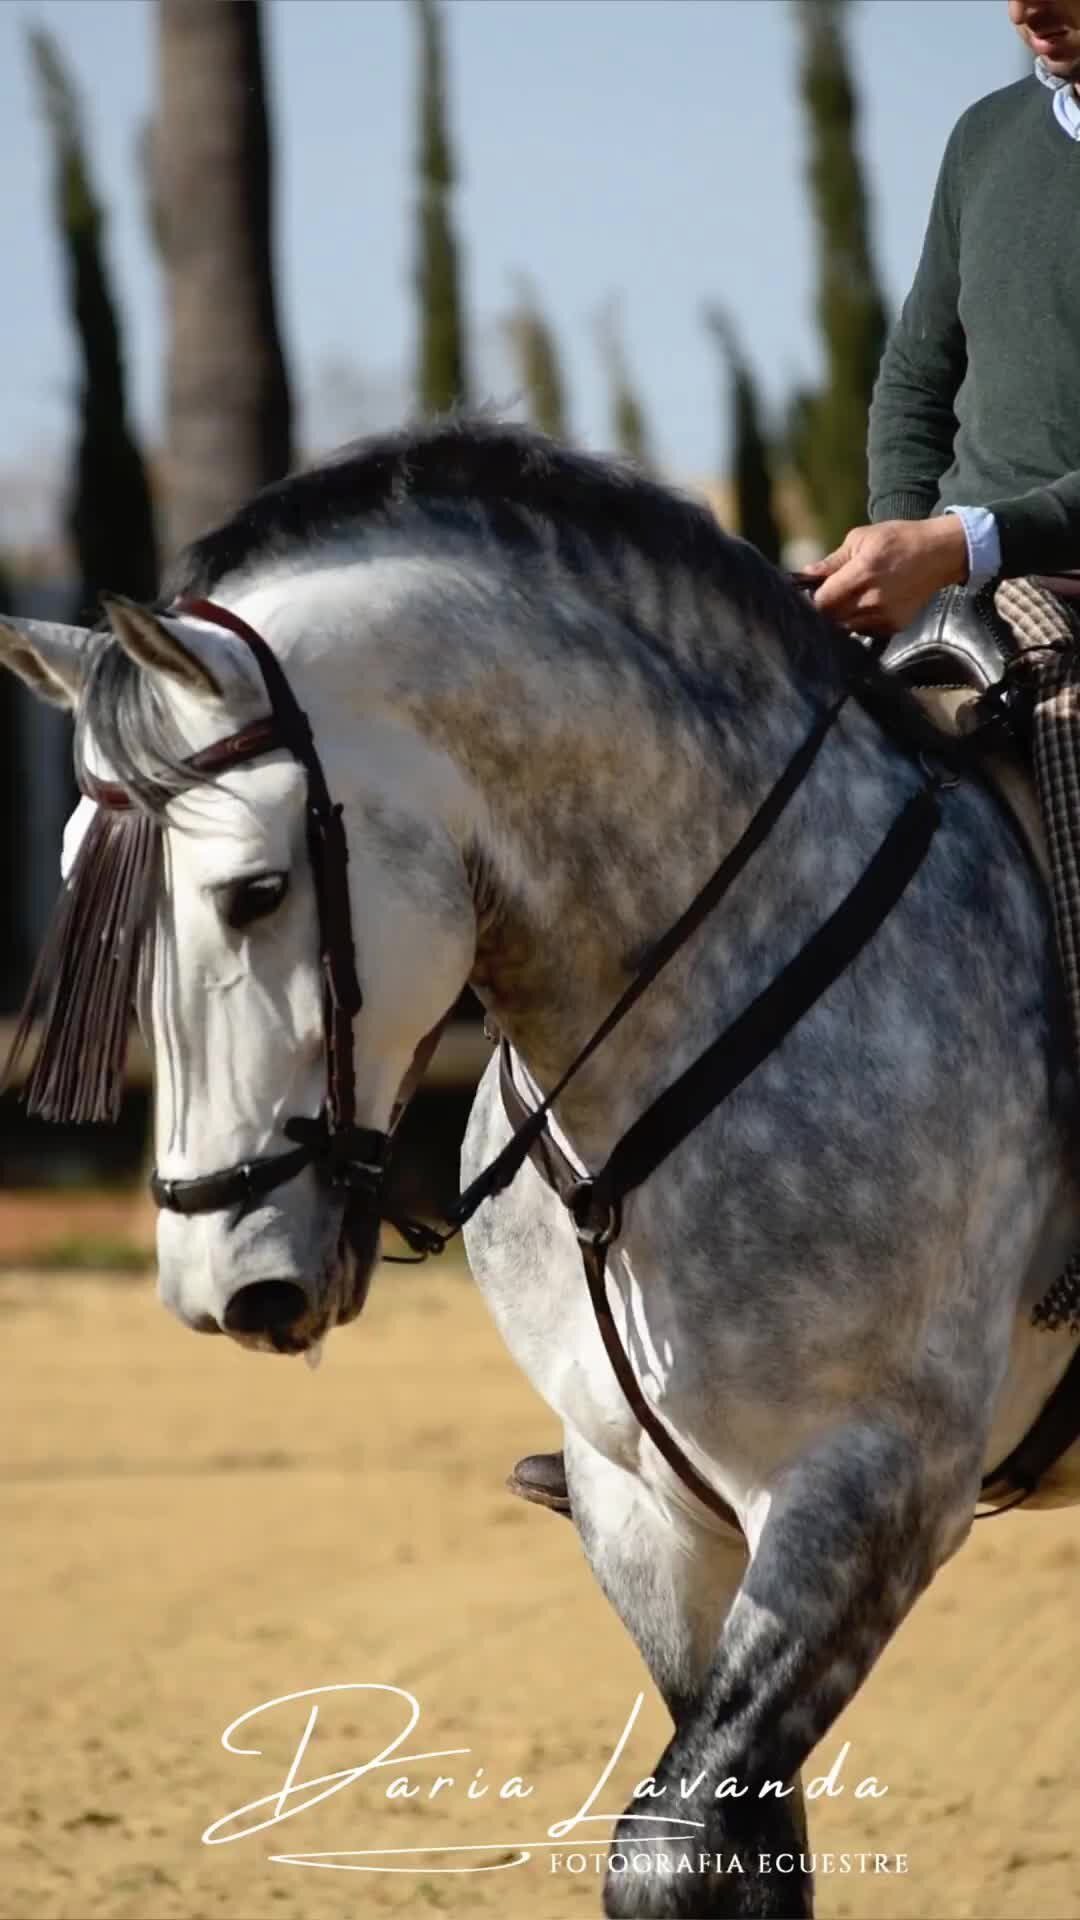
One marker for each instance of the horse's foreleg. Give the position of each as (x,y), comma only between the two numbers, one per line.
(855,1530)
(670,1582)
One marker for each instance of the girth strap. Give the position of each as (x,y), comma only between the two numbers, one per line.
(1054,1429)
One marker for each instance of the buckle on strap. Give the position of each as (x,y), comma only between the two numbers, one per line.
(350,1157)
(596,1218)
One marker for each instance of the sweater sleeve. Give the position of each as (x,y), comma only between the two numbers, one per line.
(1040,530)
(912,418)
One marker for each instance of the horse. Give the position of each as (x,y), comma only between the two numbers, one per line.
(547,696)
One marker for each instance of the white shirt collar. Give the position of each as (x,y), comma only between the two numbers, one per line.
(1066,104)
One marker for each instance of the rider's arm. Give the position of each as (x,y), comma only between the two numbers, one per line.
(1040,530)
(912,421)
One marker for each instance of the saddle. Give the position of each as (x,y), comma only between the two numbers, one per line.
(979,643)
(1001,669)
(958,659)
(958,640)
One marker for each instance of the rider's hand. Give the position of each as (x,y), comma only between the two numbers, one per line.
(881,576)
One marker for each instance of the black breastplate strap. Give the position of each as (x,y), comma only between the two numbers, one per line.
(595,1203)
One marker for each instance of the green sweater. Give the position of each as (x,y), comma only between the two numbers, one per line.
(977,400)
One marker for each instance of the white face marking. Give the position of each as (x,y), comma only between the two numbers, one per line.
(75,833)
(232,1007)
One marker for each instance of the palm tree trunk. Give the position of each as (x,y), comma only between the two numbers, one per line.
(229,412)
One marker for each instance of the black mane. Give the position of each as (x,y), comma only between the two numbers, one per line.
(510,485)
(518,478)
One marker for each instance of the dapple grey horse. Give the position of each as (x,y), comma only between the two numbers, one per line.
(549,695)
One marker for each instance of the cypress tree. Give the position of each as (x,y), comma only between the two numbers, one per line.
(539,369)
(441,376)
(629,426)
(109,510)
(750,454)
(829,443)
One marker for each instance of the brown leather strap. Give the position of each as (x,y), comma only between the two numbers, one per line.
(249,743)
(1054,1429)
(1065,585)
(421,1060)
(328,854)
(557,1172)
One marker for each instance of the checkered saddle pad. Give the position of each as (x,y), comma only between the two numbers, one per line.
(1042,638)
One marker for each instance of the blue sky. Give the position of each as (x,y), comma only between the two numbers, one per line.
(646,148)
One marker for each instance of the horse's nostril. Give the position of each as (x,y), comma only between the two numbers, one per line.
(266,1306)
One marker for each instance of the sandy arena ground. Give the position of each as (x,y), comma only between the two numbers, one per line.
(190,1531)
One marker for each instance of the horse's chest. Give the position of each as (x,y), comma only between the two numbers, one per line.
(551,1332)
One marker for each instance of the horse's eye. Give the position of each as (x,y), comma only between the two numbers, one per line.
(254,899)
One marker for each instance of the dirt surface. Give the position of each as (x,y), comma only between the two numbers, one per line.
(37,1224)
(190,1531)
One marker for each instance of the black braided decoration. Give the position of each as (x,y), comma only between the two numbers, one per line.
(1060,1304)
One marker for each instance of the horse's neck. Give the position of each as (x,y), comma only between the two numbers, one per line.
(609,806)
(609,781)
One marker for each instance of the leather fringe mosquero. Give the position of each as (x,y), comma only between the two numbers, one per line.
(84,979)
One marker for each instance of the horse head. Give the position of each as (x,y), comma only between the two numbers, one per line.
(282,997)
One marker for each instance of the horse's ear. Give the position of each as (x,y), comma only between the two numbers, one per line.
(159,646)
(51,658)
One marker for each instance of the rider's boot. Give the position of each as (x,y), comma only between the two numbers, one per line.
(541,1477)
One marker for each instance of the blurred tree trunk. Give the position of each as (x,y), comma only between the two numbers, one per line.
(751,464)
(109,511)
(441,363)
(538,367)
(229,410)
(13,954)
(828,445)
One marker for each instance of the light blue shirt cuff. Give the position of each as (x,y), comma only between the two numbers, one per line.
(983,544)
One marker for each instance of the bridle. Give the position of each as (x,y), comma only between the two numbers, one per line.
(353,1160)
(349,1158)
